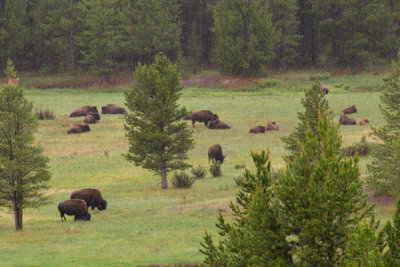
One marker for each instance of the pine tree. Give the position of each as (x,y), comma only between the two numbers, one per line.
(22,166)
(256,237)
(392,236)
(159,140)
(314,103)
(384,176)
(245,36)
(321,196)
(193,49)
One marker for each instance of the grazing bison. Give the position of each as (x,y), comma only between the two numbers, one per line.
(76,207)
(257,129)
(272,126)
(91,117)
(344,120)
(92,197)
(364,121)
(324,88)
(217,124)
(78,128)
(83,111)
(350,110)
(112,109)
(215,153)
(203,116)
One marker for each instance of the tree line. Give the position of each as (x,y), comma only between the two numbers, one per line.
(241,37)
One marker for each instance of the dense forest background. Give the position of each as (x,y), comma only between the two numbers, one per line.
(241,37)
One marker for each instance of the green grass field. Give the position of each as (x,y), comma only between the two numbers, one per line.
(143,224)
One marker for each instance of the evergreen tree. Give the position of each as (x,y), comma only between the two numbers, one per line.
(309,46)
(159,139)
(321,196)
(314,103)
(245,36)
(384,176)
(22,166)
(193,50)
(392,234)
(256,238)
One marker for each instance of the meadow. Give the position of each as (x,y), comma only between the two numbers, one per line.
(143,224)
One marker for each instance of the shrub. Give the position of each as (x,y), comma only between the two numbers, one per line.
(268,83)
(215,169)
(275,174)
(320,76)
(199,172)
(362,147)
(240,166)
(239,180)
(46,114)
(182,180)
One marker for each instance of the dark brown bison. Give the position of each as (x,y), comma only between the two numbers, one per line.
(78,128)
(344,120)
(271,126)
(187,118)
(204,116)
(91,117)
(257,129)
(215,153)
(217,124)
(112,109)
(364,121)
(324,88)
(83,111)
(92,197)
(76,207)
(350,110)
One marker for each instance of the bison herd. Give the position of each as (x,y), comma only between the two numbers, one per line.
(79,202)
(344,120)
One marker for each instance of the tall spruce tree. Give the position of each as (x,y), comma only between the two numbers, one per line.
(256,237)
(23,168)
(193,50)
(159,140)
(314,103)
(321,196)
(245,36)
(392,238)
(384,176)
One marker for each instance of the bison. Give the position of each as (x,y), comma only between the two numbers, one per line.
(112,109)
(92,197)
(364,121)
(350,110)
(257,129)
(204,116)
(78,128)
(91,117)
(215,153)
(76,207)
(271,126)
(83,111)
(344,120)
(324,88)
(217,124)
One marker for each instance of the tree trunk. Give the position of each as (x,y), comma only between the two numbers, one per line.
(17,214)
(164,184)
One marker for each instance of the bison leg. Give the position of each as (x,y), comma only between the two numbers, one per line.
(62,216)
(206,123)
(193,121)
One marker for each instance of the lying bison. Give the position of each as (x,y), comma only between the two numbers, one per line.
(204,116)
(257,129)
(215,153)
(217,124)
(91,117)
(112,109)
(350,110)
(344,120)
(92,197)
(271,126)
(78,128)
(364,121)
(324,88)
(76,207)
(83,111)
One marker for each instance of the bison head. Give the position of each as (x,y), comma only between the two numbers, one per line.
(86,216)
(214,117)
(102,205)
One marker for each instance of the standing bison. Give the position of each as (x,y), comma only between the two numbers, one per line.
(92,197)
(215,153)
(217,124)
(204,116)
(76,207)
(112,109)
(272,126)
(344,120)
(78,128)
(324,88)
(257,129)
(350,110)
(83,111)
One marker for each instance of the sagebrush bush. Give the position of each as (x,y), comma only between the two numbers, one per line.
(363,148)
(199,172)
(46,114)
(267,83)
(320,76)
(215,169)
(239,180)
(182,180)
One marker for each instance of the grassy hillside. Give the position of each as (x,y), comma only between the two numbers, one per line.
(143,224)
